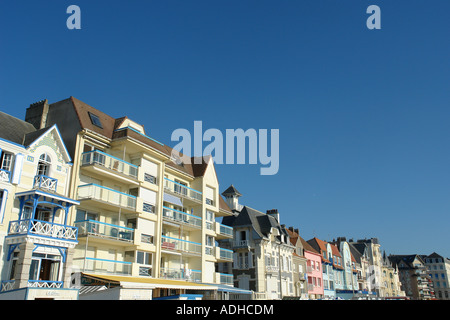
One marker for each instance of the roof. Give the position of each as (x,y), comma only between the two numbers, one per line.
(223,205)
(109,127)
(261,223)
(320,246)
(14,129)
(130,281)
(231,191)
(308,247)
(406,259)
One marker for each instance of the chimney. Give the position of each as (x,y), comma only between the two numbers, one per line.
(36,114)
(296,231)
(274,213)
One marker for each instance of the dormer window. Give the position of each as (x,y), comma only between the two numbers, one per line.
(44,165)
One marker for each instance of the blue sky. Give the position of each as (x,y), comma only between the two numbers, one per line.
(363,114)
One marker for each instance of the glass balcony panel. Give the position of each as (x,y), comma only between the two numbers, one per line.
(100,193)
(92,227)
(103,159)
(182,217)
(182,190)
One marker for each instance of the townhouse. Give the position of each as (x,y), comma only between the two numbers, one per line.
(36,235)
(390,283)
(262,250)
(348,274)
(299,265)
(325,251)
(145,212)
(313,271)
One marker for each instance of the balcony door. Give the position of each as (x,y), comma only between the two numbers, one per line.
(45,267)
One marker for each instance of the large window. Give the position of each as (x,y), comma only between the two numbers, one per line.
(44,165)
(45,267)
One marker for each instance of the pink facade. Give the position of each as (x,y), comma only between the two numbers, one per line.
(314,273)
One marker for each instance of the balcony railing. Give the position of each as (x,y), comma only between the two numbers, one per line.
(104,230)
(103,266)
(100,193)
(5,175)
(225,254)
(182,190)
(42,228)
(182,217)
(181,274)
(224,278)
(45,183)
(110,162)
(45,284)
(174,244)
(225,230)
(241,243)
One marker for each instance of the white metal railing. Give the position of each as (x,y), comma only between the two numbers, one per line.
(105,230)
(5,175)
(182,190)
(100,193)
(181,274)
(43,228)
(169,243)
(7,285)
(44,284)
(44,182)
(108,161)
(181,217)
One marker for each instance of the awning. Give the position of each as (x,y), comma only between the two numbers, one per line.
(150,283)
(172,199)
(224,288)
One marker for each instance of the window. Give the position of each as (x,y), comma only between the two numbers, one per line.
(144,258)
(95,120)
(44,165)
(6,161)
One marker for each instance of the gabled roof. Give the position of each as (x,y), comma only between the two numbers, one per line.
(308,247)
(224,206)
(320,246)
(406,260)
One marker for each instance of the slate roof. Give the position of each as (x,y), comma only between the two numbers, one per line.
(231,191)
(14,129)
(260,222)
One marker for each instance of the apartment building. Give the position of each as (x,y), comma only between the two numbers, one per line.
(349,285)
(439,271)
(36,236)
(262,250)
(390,282)
(414,276)
(145,212)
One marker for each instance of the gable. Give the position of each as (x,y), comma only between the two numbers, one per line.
(50,141)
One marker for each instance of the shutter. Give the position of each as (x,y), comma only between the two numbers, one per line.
(18,164)
(146,226)
(149,167)
(3,204)
(148,196)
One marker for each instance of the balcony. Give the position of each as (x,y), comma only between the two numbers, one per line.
(105,231)
(5,175)
(43,229)
(223,231)
(181,274)
(103,266)
(183,191)
(104,163)
(109,197)
(45,183)
(178,245)
(7,285)
(224,254)
(180,217)
(223,278)
(241,244)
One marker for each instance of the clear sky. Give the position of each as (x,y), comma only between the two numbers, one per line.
(363,114)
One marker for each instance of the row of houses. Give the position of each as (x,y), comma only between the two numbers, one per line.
(91,207)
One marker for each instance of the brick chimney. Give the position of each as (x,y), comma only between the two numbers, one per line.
(274,213)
